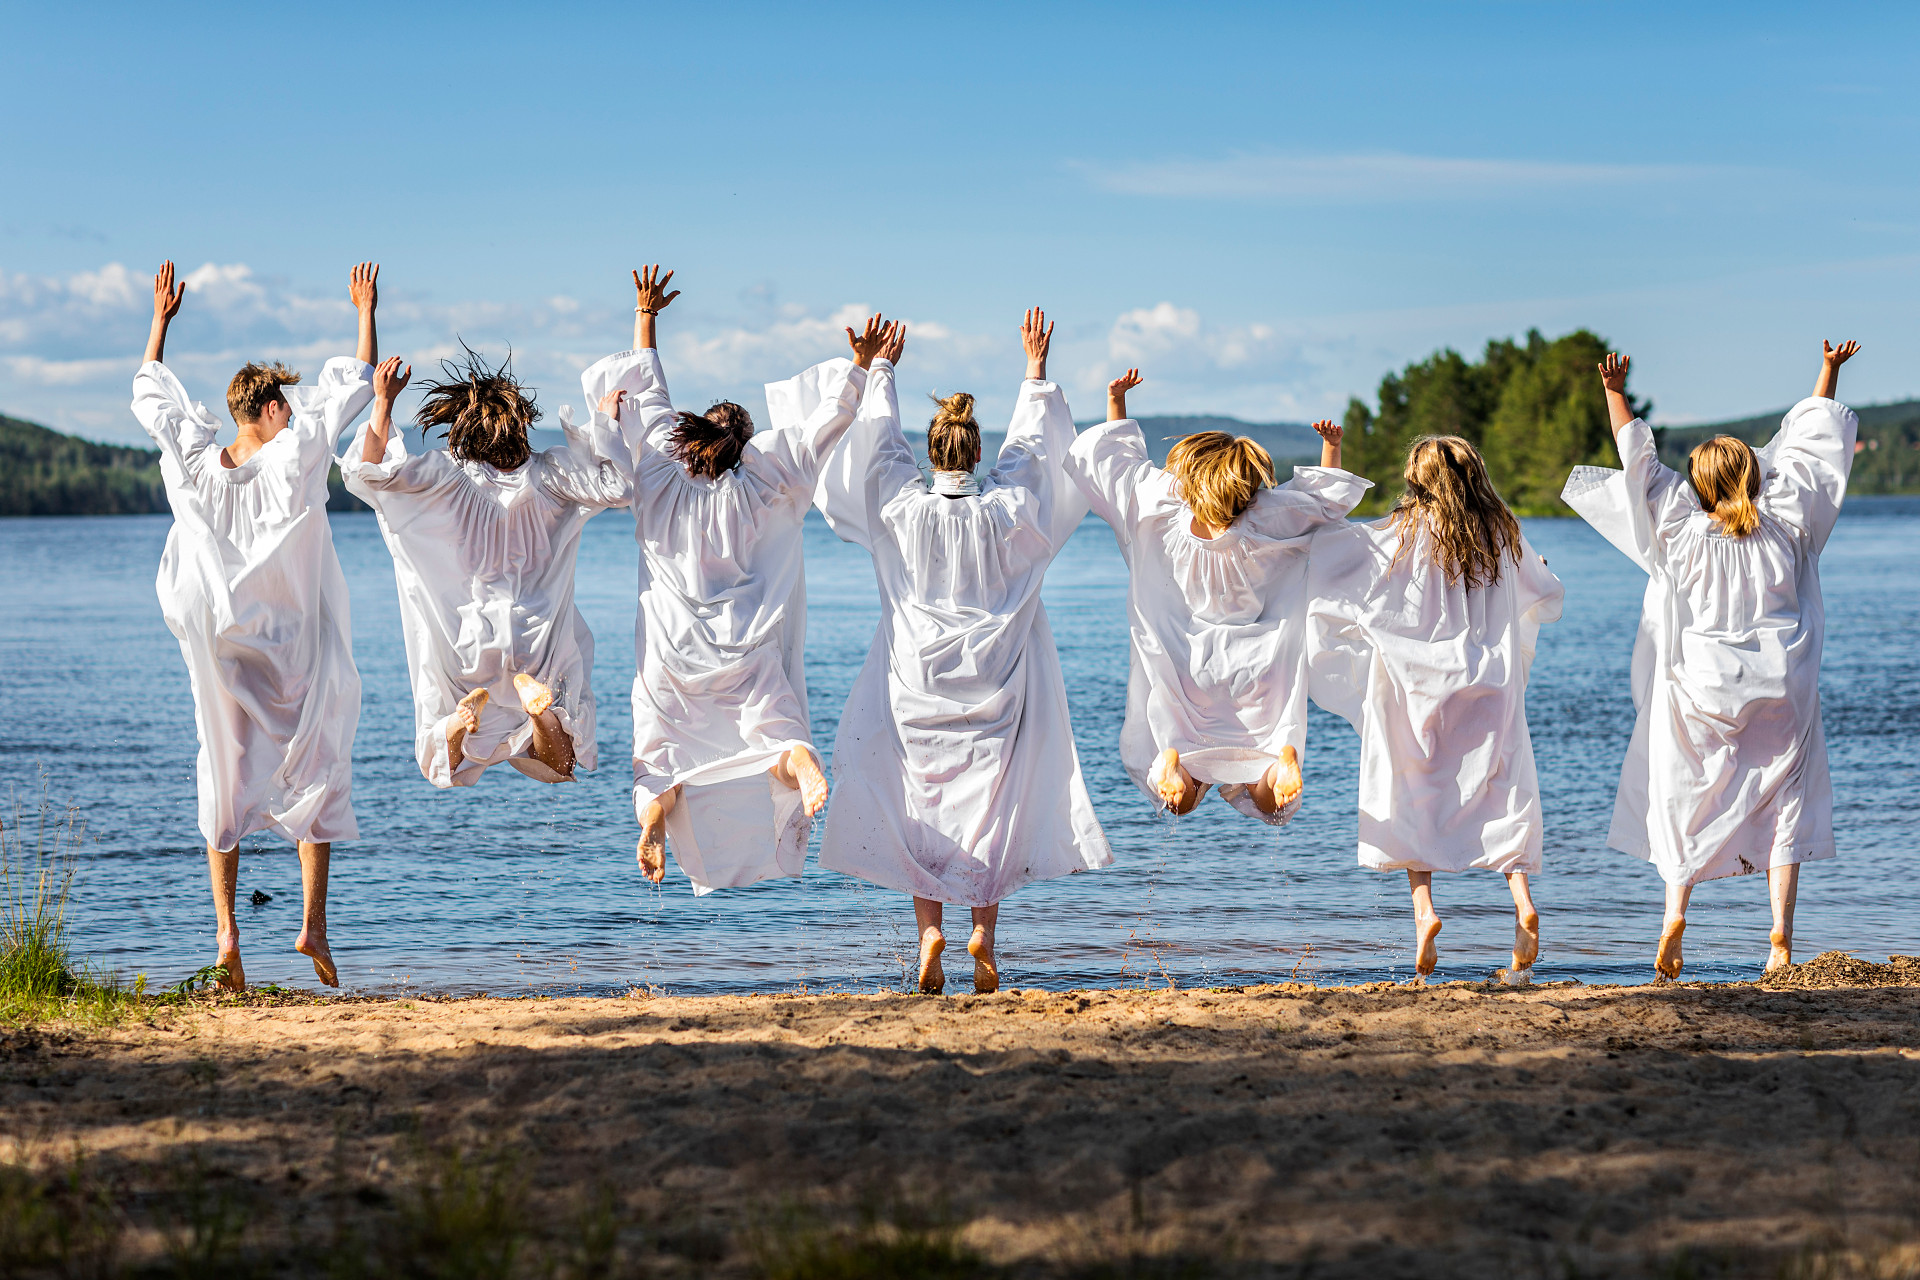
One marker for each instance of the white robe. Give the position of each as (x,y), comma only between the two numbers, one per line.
(1434,678)
(1219,663)
(720,690)
(955,776)
(1727,770)
(251,586)
(484,561)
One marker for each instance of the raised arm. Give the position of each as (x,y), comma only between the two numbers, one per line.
(365,292)
(1831,358)
(871,462)
(805,445)
(1109,463)
(1330,433)
(1613,380)
(389,380)
(1036,335)
(1116,392)
(166,305)
(650,298)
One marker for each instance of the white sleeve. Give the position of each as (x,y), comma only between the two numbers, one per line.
(1636,509)
(1810,460)
(647,419)
(1314,497)
(595,466)
(1109,464)
(176,423)
(870,463)
(323,411)
(398,471)
(1035,454)
(803,446)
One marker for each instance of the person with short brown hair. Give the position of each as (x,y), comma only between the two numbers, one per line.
(1217,560)
(251,586)
(1726,774)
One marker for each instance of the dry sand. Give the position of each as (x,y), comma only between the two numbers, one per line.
(1372,1131)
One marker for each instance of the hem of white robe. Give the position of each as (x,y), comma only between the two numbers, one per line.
(1506,863)
(925,886)
(1680,877)
(313,831)
(650,786)
(785,854)
(438,769)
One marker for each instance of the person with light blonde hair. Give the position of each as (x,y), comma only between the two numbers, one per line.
(955,774)
(252,588)
(1421,633)
(1217,558)
(1726,773)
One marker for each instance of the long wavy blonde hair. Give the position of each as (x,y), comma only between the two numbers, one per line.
(1726,475)
(1218,475)
(1450,495)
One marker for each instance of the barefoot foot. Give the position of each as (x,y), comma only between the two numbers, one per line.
(466,719)
(1280,785)
(1667,959)
(1426,954)
(986,975)
(1172,783)
(805,771)
(933,978)
(652,850)
(229,958)
(1526,939)
(314,947)
(1782,954)
(535,697)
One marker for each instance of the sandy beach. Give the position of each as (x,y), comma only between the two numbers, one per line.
(1371,1131)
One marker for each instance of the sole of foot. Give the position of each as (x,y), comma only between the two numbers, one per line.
(813,783)
(1526,939)
(651,853)
(322,958)
(1781,955)
(466,720)
(1667,960)
(535,697)
(229,959)
(933,978)
(1426,953)
(986,975)
(1168,780)
(1283,779)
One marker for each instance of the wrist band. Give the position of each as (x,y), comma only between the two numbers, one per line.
(652,311)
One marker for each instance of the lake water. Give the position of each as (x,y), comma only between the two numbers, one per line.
(514,887)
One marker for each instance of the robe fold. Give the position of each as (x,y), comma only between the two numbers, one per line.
(1434,677)
(250,585)
(1726,772)
(955,775)
(719,690)
(1219,657)
(484,561)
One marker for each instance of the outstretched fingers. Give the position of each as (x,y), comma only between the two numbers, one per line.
(389,379)
(1329,430)
(1840,354)
(364,287)
(1126,381)
(167,295)
(650,288)
(1613,371)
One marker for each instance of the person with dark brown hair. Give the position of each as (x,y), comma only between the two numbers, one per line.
(251,586)
(1726,774)
(1421,633)
(484,534)
(955,774)
(724,764)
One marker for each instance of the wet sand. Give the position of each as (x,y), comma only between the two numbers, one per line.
(1370,1131)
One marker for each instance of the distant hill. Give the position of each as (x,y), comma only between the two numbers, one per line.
(1889,462)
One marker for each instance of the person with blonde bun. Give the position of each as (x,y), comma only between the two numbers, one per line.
(1726,774)
(955,775)
(1216,602)
(724,765)
(1421,632)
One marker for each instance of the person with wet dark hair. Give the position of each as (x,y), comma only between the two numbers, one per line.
(724,764)
(484,533)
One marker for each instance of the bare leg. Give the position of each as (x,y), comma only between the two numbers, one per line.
(1178,792)
(1783,887)
(552,745)
(1526,922)
(466,718)
(927,914)
(312,942)
(652,852)
(224,866)
(1426,925)
(1280,784)
(799,769)
(986,975)
(1667,959)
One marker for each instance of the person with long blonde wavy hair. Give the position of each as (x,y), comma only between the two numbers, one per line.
(1216,557)
(1422,630)
(1726,773)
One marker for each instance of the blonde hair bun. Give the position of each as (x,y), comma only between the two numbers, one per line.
(953,437)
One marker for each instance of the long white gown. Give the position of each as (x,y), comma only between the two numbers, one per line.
(720,690)
(1727,770)
(955,776)
(251,586)
(1219,664)
(1434,678)
(484,560)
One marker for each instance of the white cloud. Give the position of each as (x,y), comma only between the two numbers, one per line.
(1381,178)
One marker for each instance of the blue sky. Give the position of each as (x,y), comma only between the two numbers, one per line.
(1266,207)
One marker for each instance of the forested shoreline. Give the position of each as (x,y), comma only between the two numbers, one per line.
(1533,406)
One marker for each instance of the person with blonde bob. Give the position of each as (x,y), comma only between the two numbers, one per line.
(1726,774)
(1422,629)
(1217,560)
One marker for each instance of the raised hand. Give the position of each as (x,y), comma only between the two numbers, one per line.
(1837,356)
(610,403)
(1117,394)
(650,290)
(1036,335)
(896,342)
(867,345)
(1831,358)
(1331,433)
(389,379)
(364,288)
(1613,372)
(166,304)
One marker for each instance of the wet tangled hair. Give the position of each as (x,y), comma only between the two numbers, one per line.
(1474,534)
(710,444)
(255,387)
(953,437)
(1218,476)
(1726,475)
(484,412)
